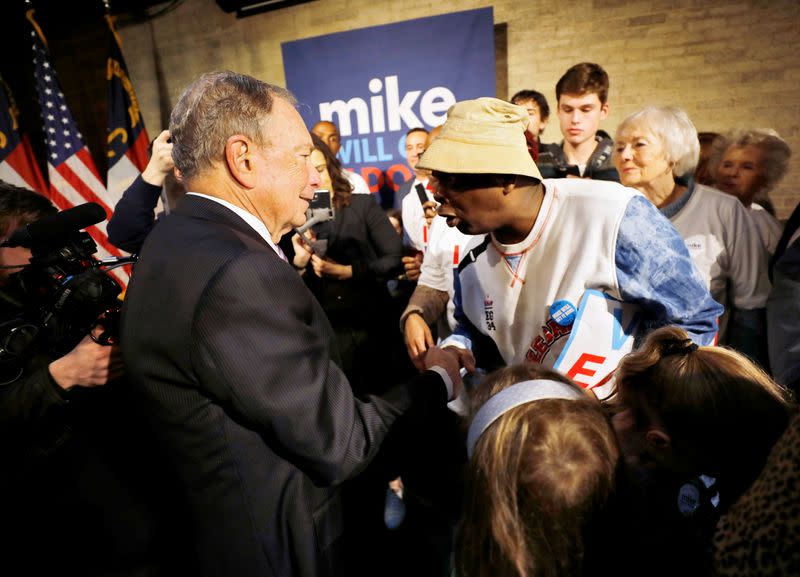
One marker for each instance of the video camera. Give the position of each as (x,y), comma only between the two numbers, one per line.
(64,292)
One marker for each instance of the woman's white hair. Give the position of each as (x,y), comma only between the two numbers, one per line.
(672,127)
(776,152)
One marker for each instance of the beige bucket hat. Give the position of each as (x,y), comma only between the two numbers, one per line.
(482,136)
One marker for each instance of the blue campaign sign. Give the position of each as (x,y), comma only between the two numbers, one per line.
(377,83)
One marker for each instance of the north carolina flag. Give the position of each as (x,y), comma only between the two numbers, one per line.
(127,136)
(18,164)
(74,178)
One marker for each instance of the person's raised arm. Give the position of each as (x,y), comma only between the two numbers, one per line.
(134,215)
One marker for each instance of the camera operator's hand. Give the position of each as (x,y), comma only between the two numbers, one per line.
(89,364)
(326,267)
(443,358)
(160,164)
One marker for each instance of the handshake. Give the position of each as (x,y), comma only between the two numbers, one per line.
(452,360)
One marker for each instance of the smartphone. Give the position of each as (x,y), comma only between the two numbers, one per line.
(321,200)
(319,210)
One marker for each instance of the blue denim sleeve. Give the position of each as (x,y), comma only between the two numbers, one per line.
(655,271)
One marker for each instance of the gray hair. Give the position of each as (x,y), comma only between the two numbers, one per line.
(776,151)
(212,109)
(672,126)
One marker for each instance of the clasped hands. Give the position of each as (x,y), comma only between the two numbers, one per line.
(322,266)
(451,359)
(412,266)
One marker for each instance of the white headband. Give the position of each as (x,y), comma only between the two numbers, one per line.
(514,396)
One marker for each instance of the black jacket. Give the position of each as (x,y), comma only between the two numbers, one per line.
(553,164)
(232,357)
(360,235)
(134,216)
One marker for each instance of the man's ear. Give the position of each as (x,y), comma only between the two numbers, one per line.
(658,442)
(238,150)
(604,111)
(543,124)
(509,185)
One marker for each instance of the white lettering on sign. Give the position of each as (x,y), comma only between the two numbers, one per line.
(376,106)
(435,104)
(343,110)
(389,108)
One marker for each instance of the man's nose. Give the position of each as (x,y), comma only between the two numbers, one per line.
(441,201)
(314,179)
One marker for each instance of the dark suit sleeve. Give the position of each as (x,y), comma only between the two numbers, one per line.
(134,216)
(386,243)
(259,349)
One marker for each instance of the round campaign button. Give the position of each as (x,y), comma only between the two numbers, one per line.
(563,312)
(688,499)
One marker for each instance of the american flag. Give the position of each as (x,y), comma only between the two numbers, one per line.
(74,178)
(127,136)
(17,162)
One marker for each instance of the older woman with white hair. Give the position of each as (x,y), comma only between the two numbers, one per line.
(748,164)
(655,150)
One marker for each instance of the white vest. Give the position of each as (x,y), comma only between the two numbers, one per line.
(507,291)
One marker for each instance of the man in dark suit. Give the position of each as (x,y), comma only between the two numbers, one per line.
(233,356)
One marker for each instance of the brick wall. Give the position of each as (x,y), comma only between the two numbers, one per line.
(729,64)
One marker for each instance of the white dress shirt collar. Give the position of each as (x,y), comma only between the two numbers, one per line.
(255,223)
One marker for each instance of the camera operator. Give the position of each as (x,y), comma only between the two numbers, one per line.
(67,497)
(31,388)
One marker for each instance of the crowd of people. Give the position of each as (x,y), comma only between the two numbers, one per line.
(577,358)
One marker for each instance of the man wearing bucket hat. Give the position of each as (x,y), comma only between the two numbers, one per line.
(543,247)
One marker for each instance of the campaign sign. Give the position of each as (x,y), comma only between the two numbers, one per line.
(377,83)
(602,334)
